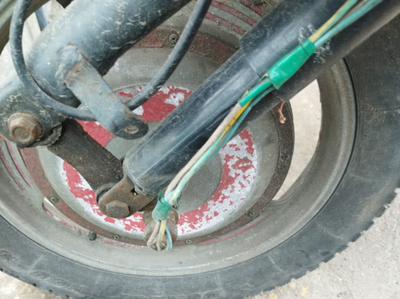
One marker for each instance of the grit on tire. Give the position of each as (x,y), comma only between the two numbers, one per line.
(365,188)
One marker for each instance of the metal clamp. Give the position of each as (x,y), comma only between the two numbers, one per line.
(88,85)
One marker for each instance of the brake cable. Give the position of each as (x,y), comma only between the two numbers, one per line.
(176,56)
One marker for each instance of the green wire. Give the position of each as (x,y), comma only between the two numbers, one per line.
(340,14)
(255,91)
(195,168)
(264,87)
(234,128)
(347,21)
(216,146)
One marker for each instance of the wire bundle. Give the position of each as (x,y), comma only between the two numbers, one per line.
(282,71)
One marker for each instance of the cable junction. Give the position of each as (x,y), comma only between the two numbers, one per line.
(280,73)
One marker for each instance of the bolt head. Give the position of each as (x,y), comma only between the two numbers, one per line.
(117,209)
(24,128)
(131,129)
(173,38)
(92,236)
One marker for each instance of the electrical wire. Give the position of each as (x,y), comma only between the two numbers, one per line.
(234,128)
(169,239)
(153,235)
(204,148)
(345,8)
(231,123)
(176,56)
(367,7)
(217,145)
(161,234)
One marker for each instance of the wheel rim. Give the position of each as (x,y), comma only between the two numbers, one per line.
(261,235)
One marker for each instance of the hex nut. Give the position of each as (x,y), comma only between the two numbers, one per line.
(117,209)
(24,128)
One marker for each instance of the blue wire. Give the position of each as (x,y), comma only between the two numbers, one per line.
(216,146)
(341,13)
(234,128)
(347,22)
(169,239)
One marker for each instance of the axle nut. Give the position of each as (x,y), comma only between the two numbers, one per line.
(117,209)
(24,128)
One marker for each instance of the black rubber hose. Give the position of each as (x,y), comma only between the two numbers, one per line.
(176,56)
(16,30)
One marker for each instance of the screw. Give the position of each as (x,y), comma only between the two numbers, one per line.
(285,157)
(116,237)
(92,236)
(54,199)
(131,129)
(251,214)
(117,209)
(173,38)
(24,128)
(188,242)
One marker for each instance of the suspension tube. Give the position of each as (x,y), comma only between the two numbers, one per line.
(155,161)
(102,30)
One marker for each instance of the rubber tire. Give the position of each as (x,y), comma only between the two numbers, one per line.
(363,194)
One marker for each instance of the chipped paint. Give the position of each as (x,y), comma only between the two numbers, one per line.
(239,159)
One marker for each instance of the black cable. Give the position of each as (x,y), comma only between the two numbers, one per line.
(176,56)
(16,30)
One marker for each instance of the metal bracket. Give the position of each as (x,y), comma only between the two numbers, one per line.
(114,192)
(120,201)
(88,85)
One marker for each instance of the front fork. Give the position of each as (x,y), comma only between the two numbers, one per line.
(98,32)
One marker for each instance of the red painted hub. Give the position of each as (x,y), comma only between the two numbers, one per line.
(239,163)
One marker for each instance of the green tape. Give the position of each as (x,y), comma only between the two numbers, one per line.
(162,208)
(288,65)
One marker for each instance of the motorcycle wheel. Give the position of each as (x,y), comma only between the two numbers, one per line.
(52,236)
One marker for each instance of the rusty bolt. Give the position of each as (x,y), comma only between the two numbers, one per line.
(173,38)
(117,209)
(24,128)
(131,129)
